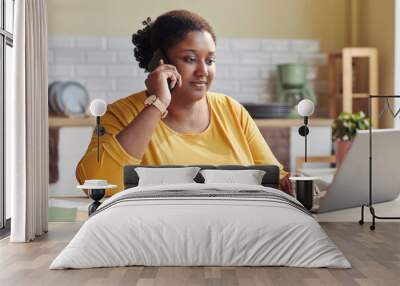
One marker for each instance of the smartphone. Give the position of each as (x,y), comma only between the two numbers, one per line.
(155,62)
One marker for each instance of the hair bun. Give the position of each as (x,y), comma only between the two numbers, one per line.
(166,31)
(147,22)
(142,42)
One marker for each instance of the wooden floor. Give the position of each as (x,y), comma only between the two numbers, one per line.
(374,255)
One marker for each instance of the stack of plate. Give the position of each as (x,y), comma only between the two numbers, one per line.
(271,110)
(68,98)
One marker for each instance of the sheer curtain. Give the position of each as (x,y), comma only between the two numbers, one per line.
(27,123)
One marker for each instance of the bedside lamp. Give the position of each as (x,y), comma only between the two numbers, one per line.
(305,108)
(305,185)
(97,188)
(98,108)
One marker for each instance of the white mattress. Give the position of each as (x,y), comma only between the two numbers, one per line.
(189,231)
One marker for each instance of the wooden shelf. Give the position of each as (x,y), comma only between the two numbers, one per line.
(278,122)
(289,122)
(348,57)
(360,95)
(60,121)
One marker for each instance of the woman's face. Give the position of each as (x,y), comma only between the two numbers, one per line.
(194,58)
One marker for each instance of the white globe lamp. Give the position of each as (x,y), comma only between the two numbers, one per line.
(305,108)
(98,108)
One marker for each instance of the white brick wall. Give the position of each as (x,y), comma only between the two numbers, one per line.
(101,57)
(246,68)
(122,70)
(90,71)
(61,70)
(50,57)
(126,57)
(255,59)
(269,45)
(227,58)
(69,56)
(59,42)
(101,84)
(245,72)
(91,42)
(227,86)
(119,43)
(284,58)
(304,46)
(223,45)
(245,45)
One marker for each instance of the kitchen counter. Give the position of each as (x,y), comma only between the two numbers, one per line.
(289,122)
(275,122)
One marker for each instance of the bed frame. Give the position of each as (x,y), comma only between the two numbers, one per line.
(270,179)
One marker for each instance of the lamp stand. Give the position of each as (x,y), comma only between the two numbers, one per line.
(303,131)
(96,195)
(100,131)
(370,203)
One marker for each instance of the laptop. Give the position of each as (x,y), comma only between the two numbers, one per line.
(347,186)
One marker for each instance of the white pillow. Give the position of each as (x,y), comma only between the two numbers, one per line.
(162,176)
(248,177)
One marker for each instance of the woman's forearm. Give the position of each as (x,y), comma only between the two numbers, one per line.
(135,137)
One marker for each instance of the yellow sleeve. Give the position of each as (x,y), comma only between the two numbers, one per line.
(113,157)
(259,148)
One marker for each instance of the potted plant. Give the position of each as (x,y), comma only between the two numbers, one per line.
(344,128)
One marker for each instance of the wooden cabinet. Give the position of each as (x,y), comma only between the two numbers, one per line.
(348,88)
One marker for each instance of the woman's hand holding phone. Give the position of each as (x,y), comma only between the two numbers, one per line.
(157,81)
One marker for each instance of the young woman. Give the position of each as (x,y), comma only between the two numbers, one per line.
(176,120)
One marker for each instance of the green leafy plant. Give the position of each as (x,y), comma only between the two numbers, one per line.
(345,126)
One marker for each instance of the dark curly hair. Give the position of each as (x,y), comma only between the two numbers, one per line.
(167,30)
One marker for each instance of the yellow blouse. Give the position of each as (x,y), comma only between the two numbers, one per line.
(231,138)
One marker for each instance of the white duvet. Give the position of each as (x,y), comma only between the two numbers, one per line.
(183,231)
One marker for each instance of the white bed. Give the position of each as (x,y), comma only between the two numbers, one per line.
(222,225)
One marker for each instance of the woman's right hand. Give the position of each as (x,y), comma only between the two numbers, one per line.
(157,81)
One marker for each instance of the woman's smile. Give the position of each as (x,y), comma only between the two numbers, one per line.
(199,84)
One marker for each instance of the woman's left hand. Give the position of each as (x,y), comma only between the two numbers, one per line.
(286,186)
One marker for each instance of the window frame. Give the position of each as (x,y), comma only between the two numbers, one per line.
(6,39)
